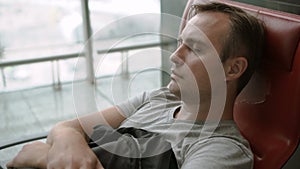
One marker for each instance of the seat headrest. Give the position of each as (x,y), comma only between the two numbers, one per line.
(282,38)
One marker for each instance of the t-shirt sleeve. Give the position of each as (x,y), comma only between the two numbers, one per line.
(130,106)
(217,153)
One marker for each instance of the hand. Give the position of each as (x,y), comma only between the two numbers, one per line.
(73,152)
(32,155)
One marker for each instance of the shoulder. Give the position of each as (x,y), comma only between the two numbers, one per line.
(159,98)
(163,92)
(224,148)
(218,152)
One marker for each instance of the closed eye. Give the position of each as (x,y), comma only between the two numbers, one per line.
(196,49)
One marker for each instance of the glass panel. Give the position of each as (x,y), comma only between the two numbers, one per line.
(26,76)
(31,29)
(118,23)
(38,28)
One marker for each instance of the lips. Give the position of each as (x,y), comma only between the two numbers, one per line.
(174,74)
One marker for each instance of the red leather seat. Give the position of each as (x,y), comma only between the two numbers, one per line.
(268,110)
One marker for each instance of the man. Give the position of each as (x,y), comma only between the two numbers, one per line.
(179,110)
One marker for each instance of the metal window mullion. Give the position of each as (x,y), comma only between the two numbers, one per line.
(56,83)
(53,74)
(3,77)
(88,48)
(124,63)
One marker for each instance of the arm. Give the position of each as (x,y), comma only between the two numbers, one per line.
(84,125)
(68,140)
(67,143)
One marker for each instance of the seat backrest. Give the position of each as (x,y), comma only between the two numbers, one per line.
(267,111)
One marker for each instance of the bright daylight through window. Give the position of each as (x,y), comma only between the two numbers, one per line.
(34,29)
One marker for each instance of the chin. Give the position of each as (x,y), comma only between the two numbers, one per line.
(173,87)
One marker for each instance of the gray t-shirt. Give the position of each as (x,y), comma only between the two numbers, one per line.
(194,144)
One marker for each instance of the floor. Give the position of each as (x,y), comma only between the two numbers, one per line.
(29,112)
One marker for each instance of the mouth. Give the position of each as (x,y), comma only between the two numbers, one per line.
(174,75)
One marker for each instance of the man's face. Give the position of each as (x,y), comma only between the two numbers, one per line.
(201,40)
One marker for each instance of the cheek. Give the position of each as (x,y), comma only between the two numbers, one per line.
(200,75)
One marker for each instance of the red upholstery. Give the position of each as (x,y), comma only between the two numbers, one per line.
(268,110)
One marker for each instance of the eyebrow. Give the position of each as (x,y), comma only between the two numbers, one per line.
(191,41)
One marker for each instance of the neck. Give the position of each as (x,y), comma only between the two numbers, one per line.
(203,111)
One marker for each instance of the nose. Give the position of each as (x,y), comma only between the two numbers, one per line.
(178,57)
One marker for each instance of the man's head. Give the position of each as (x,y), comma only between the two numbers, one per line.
(244,39)
(235,35)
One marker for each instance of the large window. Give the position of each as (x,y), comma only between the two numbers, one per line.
(40,41)
(32,29)
(118,23)
(35,29)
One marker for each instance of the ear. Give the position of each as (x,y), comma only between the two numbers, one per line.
(235,67)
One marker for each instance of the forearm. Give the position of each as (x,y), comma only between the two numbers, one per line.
(67,130)
(68,140)
(85,124)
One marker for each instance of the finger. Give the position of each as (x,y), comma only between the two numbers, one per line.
(10,164)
